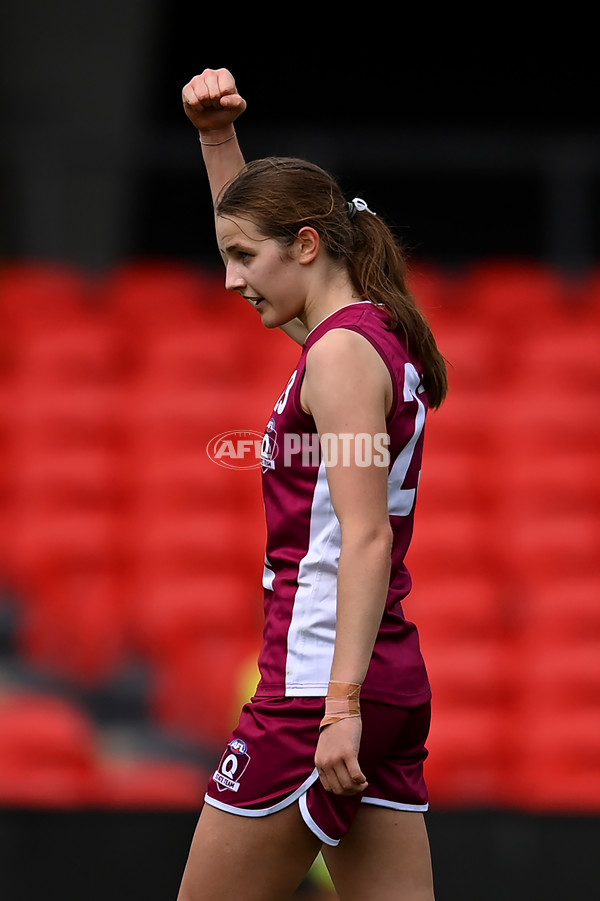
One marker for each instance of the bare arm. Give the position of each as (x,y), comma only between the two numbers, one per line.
(212,103)
(345,388)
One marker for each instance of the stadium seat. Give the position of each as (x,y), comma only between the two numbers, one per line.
(475,354)
(43,296)
(82,351)
(201,353)
(58,414)
(513,295)
(562,543)
(147,784)
(468,670)
(213,538)
(48,752)
(466,762)
(145,296)
(185,478)
(454,476)
(456,606)
(432,288)
(174,611)
(567,670)
(563,358)
(74,624)
(197,694)
(452,540)
(557,767)
(556,482)
(63,477)
(38,537)
(565,608)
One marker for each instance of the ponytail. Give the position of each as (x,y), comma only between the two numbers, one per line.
(282,195)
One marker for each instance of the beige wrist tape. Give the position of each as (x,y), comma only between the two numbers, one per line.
(342,701)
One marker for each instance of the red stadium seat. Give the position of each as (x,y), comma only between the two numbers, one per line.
(174,612)
(140,784)
(561,544)
(468,670)
(47,753)
(185,478)
(82,351)
(213,538)
(475,354)
(432,288)
(565,670)
(513,295)
(39,537)
(74,625)
(202,353)
(149,295)
(57,414)
(63,477)
(466,760)
(197,695)
(43,296)
(456,606)
(564,608)
(556,482)
(557,765)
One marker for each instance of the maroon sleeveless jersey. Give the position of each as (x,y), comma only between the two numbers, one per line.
(304,538)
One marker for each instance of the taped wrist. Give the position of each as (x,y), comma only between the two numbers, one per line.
(342,702)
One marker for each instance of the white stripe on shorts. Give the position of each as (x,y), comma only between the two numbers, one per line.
(312,825)
(394,804)
(265,811)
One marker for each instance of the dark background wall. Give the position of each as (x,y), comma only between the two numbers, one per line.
(474,139)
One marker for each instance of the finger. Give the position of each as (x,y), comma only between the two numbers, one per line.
(351,784)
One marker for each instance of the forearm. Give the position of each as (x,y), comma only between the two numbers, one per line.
(363,583)
(223,158)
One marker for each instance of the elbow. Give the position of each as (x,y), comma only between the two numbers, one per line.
(376,537)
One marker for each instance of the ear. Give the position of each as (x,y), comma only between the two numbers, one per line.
(308,243)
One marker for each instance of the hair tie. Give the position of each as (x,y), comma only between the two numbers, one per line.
(358,205)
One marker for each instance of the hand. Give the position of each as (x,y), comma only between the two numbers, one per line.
(336,757)
(211,101)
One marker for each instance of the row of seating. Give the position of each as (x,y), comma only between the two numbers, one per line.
(122,540)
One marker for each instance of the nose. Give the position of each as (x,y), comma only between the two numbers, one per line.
(233,279)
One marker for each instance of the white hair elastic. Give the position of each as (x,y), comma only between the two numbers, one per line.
(358,205)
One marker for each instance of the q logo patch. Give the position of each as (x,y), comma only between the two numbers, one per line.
(232,766)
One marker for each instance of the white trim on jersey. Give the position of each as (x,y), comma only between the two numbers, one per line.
(353,304)
(311,635)
(268,575)
(401,500)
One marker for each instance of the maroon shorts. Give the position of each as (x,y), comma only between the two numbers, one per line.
(269,763)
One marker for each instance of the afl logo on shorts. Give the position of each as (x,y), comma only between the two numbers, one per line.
(232,766)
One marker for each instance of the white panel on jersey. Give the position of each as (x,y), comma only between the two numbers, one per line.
(311,635)
(268,576)
(401,500)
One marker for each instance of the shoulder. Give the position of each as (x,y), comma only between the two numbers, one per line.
(340,345)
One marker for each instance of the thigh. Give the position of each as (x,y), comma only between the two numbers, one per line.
(384,857)
(254,858)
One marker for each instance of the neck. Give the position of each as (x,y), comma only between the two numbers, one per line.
(327,299)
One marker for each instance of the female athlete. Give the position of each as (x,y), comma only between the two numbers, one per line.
(328,755)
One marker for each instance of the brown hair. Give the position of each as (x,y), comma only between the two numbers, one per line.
(281,195)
